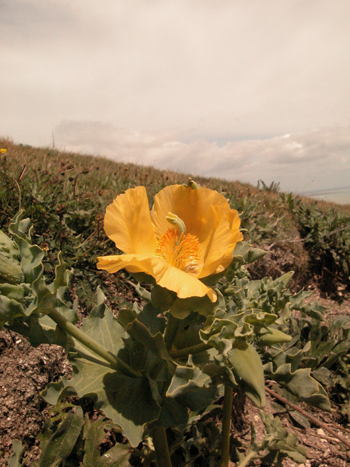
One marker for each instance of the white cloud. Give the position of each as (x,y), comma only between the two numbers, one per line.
(321,155)
(207,86)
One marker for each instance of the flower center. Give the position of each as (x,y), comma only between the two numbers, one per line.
(180,250)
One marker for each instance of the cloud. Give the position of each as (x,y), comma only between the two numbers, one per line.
(315,145)
(299,156)
(204,87)
(238,68)
(165,149)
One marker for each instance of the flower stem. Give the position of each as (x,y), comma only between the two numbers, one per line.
(171,330)
(226,426)
(161,447)
(178,353)
(91,344)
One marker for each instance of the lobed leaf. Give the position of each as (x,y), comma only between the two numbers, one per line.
(301,384)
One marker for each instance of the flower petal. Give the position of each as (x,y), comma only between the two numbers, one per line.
(235,223)
(180,282)
(192,206)
(206,214)
(217,242)
(131,262)
(128,223)
(236,236)
(167,276)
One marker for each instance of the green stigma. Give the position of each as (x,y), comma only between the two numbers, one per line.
(174,219)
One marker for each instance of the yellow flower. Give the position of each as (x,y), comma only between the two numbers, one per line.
(189,235)
(3,151)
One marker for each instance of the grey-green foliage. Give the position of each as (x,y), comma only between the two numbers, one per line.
(324,348)
(10,268)
(327,239)
(16,459)
(265,308)
(278,442)
(70,440)
(24,302)
(178,354)
(127,400)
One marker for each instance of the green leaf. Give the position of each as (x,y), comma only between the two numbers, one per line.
(174,412)
(292,356)
(340,322)
(192,387)
(301,384)
(285,279)
(143,293)
(117,456)
(43,297)
(219,333)
(182,307)
(10,270)
(323,375)
(50,296)
(260,319)
(273,336)
(183,333)
(20,293)
(147,354)
(297,299)
(162,298)
(62,442)
(247,366)
(129,402)
(279,442)
(8,247)
(15,459)
(31,255)
(338,351)
(255,254)
(186,378)
(149,316)
(9,310)
(94,434)
(300,419)
(245,253)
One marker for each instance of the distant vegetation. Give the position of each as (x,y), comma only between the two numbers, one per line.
(65,196)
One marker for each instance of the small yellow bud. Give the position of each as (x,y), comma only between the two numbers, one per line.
(192,184)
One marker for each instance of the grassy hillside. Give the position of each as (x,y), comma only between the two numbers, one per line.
(65,195)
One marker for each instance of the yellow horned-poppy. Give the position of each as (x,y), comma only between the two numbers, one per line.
(189,234)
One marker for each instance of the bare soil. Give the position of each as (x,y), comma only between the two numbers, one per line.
(25,371)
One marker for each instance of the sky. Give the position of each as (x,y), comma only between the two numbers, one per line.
(227,88)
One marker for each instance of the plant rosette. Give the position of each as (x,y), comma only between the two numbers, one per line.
(151,366)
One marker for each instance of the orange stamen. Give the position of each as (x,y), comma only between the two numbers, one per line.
(180,250)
